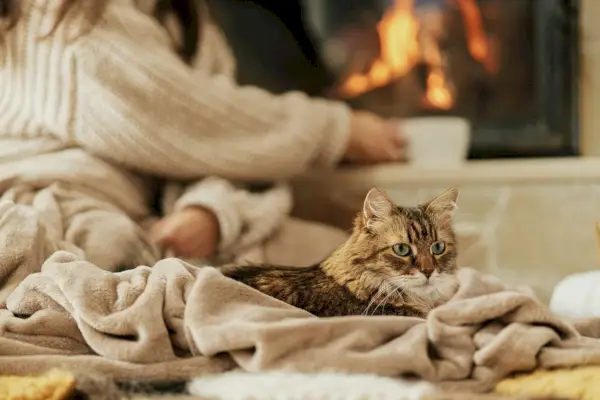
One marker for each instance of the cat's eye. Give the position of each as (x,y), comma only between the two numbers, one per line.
(438,248)
(401,249)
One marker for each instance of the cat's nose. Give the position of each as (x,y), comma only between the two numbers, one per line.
(427,272)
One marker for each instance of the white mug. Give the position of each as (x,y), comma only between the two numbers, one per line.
(436,142)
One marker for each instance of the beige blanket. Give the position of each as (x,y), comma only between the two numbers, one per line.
(173,321)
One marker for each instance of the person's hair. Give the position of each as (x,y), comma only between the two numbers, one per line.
(9,13)
(186,11)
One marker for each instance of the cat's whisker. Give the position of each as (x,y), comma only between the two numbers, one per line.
(400,280)
(403,290)
(380,292)
(366,310)
(398,287)
(383,290)
(392,288)
(383,302)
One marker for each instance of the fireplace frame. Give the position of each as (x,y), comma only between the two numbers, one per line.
(557,74)
(553,130)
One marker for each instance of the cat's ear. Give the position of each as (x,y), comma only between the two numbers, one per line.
(377,205)
(443,206)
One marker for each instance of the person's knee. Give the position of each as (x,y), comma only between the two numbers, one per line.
(110,240)
(19,223)
(24,245)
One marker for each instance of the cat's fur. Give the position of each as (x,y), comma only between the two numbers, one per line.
(365,276)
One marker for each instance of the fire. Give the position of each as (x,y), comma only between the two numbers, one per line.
(405,43)
(478,42)
(398,31)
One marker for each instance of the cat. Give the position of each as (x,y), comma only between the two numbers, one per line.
(397,261)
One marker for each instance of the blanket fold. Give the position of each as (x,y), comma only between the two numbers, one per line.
(176,321)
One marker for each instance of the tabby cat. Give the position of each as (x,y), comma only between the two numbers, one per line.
(398,261)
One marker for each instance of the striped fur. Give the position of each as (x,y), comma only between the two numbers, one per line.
(365,275)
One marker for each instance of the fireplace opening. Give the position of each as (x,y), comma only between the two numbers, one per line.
(508,66)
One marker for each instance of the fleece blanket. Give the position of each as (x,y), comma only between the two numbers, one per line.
(173,321)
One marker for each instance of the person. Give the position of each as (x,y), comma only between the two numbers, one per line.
(102,99)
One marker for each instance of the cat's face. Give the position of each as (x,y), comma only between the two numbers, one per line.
(411,251)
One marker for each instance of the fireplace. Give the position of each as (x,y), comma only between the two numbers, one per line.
(508,66)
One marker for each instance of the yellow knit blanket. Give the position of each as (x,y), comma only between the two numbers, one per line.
(54,385)
(581,383)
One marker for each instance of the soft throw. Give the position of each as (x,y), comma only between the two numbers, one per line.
(174,321)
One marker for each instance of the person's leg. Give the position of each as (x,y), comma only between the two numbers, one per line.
(297,243)
(79,221)
(24,245)
(106,235)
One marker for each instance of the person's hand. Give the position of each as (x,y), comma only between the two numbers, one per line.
(190,233)
(374,140)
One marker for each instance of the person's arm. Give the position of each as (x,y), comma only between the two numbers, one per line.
(141,107)
(231,218)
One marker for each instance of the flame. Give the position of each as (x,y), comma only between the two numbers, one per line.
(438,92)
(404,44)
(478,42)
(398,36)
